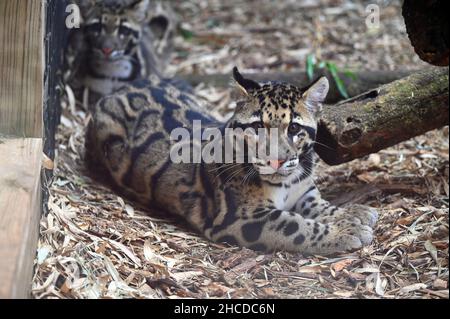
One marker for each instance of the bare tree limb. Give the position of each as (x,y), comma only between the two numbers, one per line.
(385,116)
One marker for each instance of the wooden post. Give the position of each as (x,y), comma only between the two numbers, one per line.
(21,131)
(20,210)
(21,67)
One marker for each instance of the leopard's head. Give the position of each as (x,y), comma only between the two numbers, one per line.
(284,117)
(112,28)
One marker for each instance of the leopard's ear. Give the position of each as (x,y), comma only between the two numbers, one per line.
(85,6)
(316,94)
(139,10)
(245,85)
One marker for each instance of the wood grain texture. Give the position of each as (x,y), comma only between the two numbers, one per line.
(20,209)
(384,117)
(21,67)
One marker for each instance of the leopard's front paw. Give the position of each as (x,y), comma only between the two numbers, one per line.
(354,213)
(350,236)
(366,214)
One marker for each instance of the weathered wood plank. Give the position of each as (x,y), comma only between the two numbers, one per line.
(21,67)
(20,210)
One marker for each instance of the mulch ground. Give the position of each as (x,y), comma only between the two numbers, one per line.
(95,244)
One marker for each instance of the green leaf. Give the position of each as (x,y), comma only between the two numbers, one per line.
(310,66)
(339,83)
(322,65)
(186,34)
(351,75)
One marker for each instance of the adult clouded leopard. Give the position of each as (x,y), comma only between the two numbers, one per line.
(269,204)
(118,42)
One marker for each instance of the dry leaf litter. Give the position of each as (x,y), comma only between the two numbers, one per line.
(95,244)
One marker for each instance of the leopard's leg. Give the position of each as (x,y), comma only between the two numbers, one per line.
(270,229)
(311,205)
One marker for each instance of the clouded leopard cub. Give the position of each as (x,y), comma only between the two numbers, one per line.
(267,204)
(118,42)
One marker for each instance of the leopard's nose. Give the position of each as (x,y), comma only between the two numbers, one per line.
(107,51)
(276,164)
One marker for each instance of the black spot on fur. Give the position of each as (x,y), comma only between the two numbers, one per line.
(275,215)
(208,221)
(310,190)
(299,240)
(195,116)
(137,100)
(204,178)
(252,231)
(260,213)
(141,126)
(155,178)
(169,122)
(291,229)
(230,240)
(316,229)
(279,185)
(105,107)
(140,149)
(334,211)
(230,217)
(113,150)
(281,225)
(259,247)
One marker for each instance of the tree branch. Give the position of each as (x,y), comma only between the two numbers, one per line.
(385,116)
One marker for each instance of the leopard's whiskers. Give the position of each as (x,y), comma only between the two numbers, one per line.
(235,173)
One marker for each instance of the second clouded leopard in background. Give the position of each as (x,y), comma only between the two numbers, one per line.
(267,204)
(119,41)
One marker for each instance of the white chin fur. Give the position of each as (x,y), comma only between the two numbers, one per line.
(266,171)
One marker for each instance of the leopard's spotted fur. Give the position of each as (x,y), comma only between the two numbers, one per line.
(269,205)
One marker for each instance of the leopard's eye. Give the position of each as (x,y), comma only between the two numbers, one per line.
(256,126)
(294,129)
(124,31)
(94,28)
